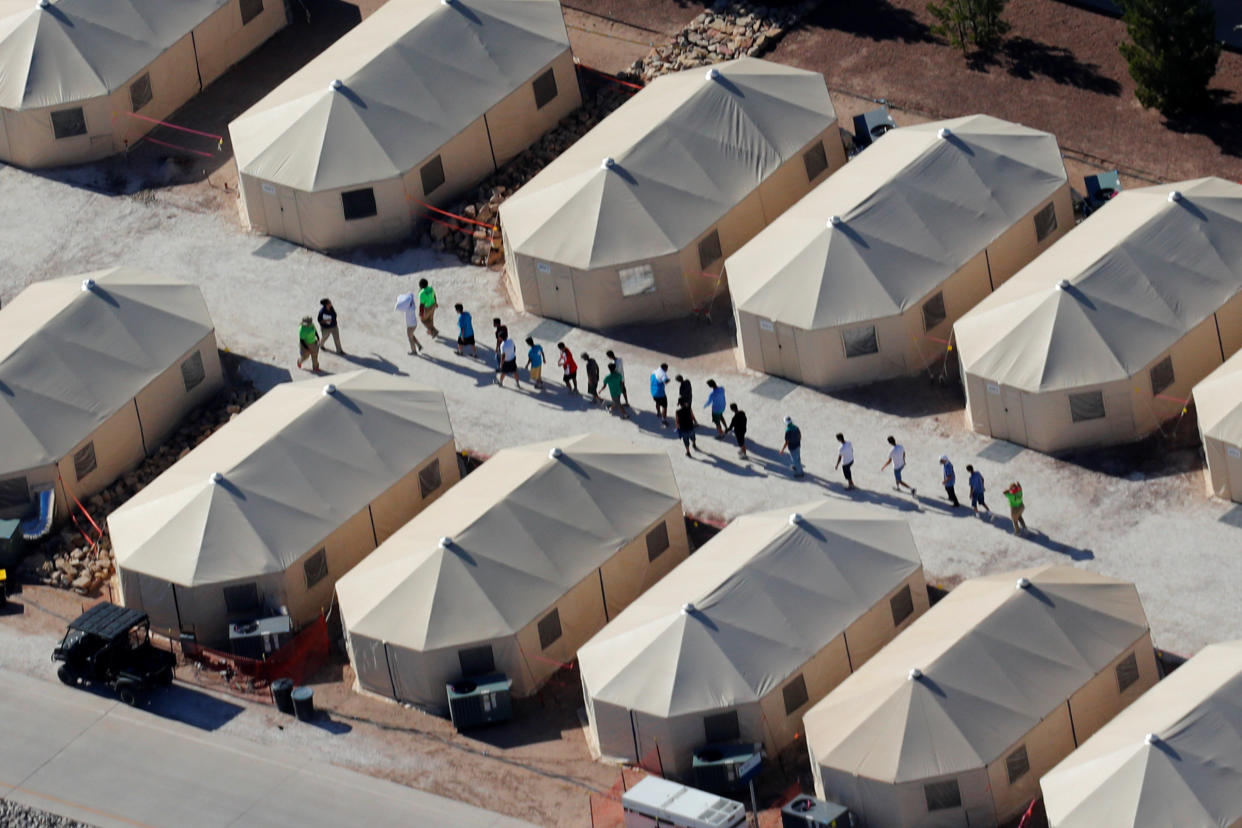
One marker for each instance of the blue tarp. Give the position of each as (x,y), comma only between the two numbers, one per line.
(39,524)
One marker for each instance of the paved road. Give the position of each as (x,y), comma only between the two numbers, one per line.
(93,759)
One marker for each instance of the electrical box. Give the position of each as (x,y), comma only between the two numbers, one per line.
(808,812)
(260,638)
(480,700)
(723,768)
(659,803)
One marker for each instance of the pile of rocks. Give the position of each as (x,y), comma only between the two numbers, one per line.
(66,559)
(14,815)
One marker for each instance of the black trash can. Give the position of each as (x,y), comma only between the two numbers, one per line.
(282,694)
(303,703)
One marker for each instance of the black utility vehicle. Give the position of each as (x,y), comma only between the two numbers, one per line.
(112,645)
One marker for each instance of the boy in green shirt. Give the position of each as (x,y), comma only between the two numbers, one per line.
(613,382)
(427,307)
(308,343)
(1014,495)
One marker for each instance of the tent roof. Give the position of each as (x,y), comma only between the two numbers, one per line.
(1192,776)
(995,658)
(414,74)
(913,211)
(71,358)
(767,595)
(525,527)
(686,149)
(1140,274)
(74,50)
(295,466)
(1218,402)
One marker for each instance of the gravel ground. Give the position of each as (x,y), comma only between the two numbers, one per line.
(13,815)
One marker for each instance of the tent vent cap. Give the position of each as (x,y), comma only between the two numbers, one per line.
(944,132)
(1175,196)
(338,84)
(608,163)
(87,284)
(446,542)
(686,609)
(43,4)
(1024,582)
(1151,738)
(835,221)
(555,453)
(1064,284)
(795,519)
(216,477)
(713,74)
(329,390)
(915,674)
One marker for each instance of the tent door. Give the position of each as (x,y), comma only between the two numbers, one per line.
(556,292)
(289,216)
(398,692)
(1233,472)
(790,367)
(1005,413)
(769,347)
(4,140)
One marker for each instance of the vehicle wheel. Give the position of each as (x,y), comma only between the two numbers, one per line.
(127,692)
(67,676)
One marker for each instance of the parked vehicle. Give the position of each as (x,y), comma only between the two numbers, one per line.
(112,645)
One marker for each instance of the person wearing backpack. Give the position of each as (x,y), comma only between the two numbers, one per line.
(793,444)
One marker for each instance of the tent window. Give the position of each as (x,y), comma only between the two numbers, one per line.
(140,92)
(1017,764)
(1087,406)
(1162,375)
(477,660)
(816,161)
(14,492)
(933,311)
(657,541)
(316,568)
(84,460)
(709,249)
(722,727)
(192,371)
(902,605)
(250,9)
(429,478)
(1127,672)
(68,122)
(359,204)
(860,341)
(241,599)
(545,89)
(432,175)
(550,629)
(795,694)
(942,795)
(1045,222)
(636,280)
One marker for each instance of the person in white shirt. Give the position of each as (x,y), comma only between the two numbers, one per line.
(405,302)
(845,460)
(508,362)
(897,458)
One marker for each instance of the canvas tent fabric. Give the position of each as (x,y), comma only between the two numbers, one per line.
(1188,776)
(74,72)
(1101,338)
(312,466)
(955,720)
(762,621)
(1218,405)
(416,104)
(570,530)
(615,229)
(901,242)
(95,371)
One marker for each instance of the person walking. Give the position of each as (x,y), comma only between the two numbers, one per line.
(508,363)
(569,369)
(793,444)
(737,424)
(1016,507)
(534,362)
(716,400)
(949,480)
(502,333)
(845,460)
(685,391)
(616,360)
(975,483)
(308,344)
(592,369)
(406,303)
(427,307)
(616,389)
(465,331)
(684,419)
(897,459)
(327,324)
(659,392)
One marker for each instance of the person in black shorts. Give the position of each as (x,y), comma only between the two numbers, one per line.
(684,418)
(592,369)
(465,331)
(568,367)
(685,391)
(502,333)
(738,426)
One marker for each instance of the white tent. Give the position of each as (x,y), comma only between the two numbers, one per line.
(278,504)
(1218,405)
(514,568)
(1173,759)
(95,372)
(632,222)
(1101,339)
(83,79)
(761,622)
(864,277)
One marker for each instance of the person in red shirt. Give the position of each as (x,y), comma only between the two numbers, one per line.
(569,367)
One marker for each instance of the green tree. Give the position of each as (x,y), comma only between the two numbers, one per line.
(1172,52)
(970,23)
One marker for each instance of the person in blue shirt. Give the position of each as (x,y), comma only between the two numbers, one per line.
(534,362)
(465,331)
(659,393)
(716,401)
(793,444)
(950,479)
(975,481)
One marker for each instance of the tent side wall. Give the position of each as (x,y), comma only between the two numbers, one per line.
(1229,323)
(466,159)
(631,572)
(879,804)
(165,401)
(1223,474)
(200,610)
(785,187)
(609,729)
(669,743)
(404,499)
(516,122)
(1194,356)
(117,448)
(821,674)
(31,142)
(222,39)
(322,222)
(1019,245)
(875,628)
(1099,700)
(1046,744)
(344,548)
(1047,422)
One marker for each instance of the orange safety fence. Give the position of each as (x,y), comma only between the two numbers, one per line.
(299,659)
(634,86)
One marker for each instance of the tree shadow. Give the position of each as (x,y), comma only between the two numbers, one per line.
(1221,123)
(876,20)
(1027,59)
